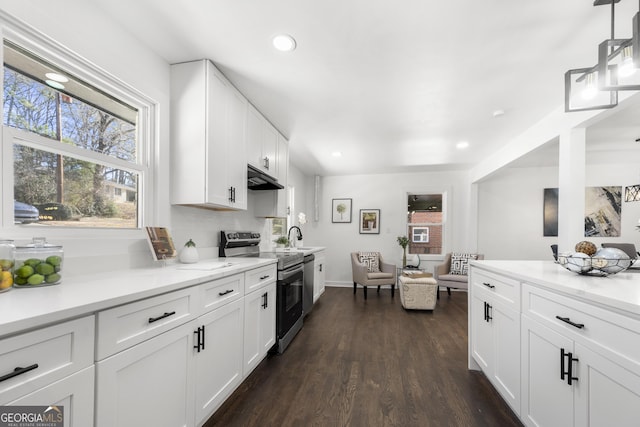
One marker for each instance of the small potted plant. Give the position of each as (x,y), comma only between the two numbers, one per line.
(403,241)
(282,241)
(189,254)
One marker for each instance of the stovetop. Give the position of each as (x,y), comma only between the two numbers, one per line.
(245,244)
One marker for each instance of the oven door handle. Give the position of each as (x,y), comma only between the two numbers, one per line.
(285,274)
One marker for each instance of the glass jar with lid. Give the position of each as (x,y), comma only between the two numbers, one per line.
(38,264)
(7,260)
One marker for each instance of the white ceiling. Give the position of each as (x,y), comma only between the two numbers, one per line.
(393,85)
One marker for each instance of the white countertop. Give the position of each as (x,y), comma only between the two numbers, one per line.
(619,291)
(306,250)
(27,308)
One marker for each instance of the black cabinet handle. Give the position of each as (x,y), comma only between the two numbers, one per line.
(265,277)
(265,300)
(567,320)
(487,313)
(568,371)
(199,338)
(228,291)
(155,319)
(488,285)
(231,194)
(321,267)
(18,371)
(197,344)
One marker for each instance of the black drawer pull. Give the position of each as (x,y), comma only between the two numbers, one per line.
(155,319)
(18,371)
(488,285)
(567,320)
(265,277)
(228,291)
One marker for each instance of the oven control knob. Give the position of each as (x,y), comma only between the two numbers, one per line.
(232,236)
(255,235)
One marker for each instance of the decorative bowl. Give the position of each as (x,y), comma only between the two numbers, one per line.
(605,262)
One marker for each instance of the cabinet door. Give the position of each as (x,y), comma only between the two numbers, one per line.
(218,363)
(259,326)
(506,353)
(237,148)
(318,275)
(481,334)
(255,125)
(217,152)
(74,393)
(547,399)
(270,148)
(607,394)
(149,384)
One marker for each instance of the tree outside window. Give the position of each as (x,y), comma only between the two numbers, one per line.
(80,156)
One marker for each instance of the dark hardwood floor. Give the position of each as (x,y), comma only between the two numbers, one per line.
(370,363)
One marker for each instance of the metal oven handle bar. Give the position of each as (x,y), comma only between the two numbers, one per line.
(286,274)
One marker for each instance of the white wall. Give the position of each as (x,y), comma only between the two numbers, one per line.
(387,193)
(511,202)
(81,27)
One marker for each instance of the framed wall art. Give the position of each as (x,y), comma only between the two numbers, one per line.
(369,221)
(341,210)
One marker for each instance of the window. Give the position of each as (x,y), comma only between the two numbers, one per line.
(76,148)
(425,223)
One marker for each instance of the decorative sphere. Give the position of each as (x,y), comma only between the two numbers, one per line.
(586,247)
(577,262)
(611,260)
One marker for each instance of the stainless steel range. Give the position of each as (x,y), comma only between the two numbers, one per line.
(289,287)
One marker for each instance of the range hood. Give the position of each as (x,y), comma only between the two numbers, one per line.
(258,180)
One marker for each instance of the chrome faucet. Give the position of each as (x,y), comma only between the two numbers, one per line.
(298,234)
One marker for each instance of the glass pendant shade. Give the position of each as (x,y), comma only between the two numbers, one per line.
(582,94)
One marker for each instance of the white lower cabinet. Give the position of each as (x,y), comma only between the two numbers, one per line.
(51,366)
(259,325)
(579,361)
(547,396)
(318,275)
(73,393)
(149,384)
(157,382)
(495,344)
(218,361)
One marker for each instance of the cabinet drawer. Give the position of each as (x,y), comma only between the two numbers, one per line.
(504,288)
(35,359)
(221,291)
(129,324)
(585,323)
(259,277)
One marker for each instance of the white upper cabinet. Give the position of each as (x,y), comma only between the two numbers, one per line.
(262,141)
(208,138)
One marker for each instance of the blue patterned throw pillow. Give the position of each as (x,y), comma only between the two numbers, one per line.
(460,263)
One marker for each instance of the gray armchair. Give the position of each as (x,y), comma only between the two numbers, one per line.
(361,275)
(442,274)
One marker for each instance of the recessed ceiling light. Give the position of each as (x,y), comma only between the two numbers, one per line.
(462,145)
(498,113)
(336,154)
(54,84)
(57,77)
(284,42)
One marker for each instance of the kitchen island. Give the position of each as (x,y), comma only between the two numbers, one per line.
(561,348)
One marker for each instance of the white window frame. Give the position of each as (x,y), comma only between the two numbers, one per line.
(425,231)
(53,52)
(446,218)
